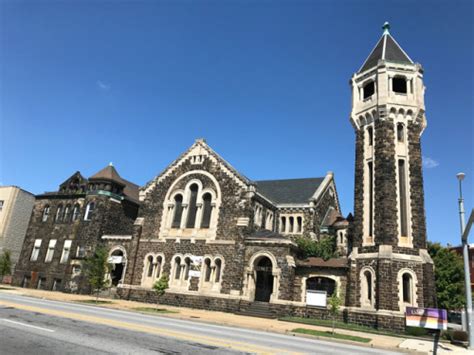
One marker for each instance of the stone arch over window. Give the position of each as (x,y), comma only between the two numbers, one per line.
(196,213)
(251,277)
(367,287)
(407,289)
(45,215)
(322,283)
(212,271)
(336,281)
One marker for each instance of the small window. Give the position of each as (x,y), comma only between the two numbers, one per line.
(407,288)
(67,213)
(207,271)
(1,205)
(59,214)
(41,283)
(66,251)
(187,267)
(299,224)
(50,251)
(80,252)
(89,211)
(218,264)
(399,85)
(400,132)
(292,224)
(159,262)
(150,266)
(45,213)
(368,279)
(36,250)
(177,268)
(370,135)
(283,225)
(76,212)
(369,89)
(192,209)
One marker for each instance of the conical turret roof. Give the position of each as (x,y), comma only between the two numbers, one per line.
(386,49)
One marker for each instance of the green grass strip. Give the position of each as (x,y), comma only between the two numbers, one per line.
(328,334)
(153,310)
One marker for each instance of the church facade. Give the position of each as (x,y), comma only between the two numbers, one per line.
(229,243)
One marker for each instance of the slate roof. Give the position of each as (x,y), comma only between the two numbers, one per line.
(386,49)
(320,262)
(289,190)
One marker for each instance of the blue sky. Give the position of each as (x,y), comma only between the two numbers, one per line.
(86,83)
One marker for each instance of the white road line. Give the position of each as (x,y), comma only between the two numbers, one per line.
(28,325)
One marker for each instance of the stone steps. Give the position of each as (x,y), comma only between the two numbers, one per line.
(257,309)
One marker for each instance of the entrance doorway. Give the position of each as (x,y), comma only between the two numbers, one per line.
(264,283)
(118,265)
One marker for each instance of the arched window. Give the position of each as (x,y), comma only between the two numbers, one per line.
(291,221)
(370,135)
(45,213)
(187,267)
(407,288)
(369,89)
(206,210)
(368,280)
(159,263)
(89,211)
(399,85)
(67,213)
(207,270)
(59,214)
(218,264)
(149,266)
(400,132)
(178,211)
(192,209)
(402,191)
(321,284)
(76,212)
(177,268)
(299,224)
(283,225)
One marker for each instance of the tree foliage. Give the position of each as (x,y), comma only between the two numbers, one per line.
(325,248)
(334,307)
(5,263)
(96,270)
(161,285)
(449,277)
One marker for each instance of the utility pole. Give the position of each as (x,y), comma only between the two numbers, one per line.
(467,276)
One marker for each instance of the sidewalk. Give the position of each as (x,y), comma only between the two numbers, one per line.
(230,319)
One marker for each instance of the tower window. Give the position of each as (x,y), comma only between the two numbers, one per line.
(400,132)
(407,285)
(371,198)
(403,198)
(369,89)
(89,211)
(370,135)
(399,85)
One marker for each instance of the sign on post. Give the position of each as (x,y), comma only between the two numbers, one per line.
(429,318)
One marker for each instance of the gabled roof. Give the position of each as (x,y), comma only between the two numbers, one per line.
(386,49)
(289,190)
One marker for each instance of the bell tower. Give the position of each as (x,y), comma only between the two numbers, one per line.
(390,267)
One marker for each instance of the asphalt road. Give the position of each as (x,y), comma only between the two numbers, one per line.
(35,326)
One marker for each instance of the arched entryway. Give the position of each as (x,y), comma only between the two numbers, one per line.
(118,261)
(264,279)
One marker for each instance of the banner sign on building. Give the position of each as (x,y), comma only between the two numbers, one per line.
(430,318)
(316,298)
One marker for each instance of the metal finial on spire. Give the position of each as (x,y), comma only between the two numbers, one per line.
(111,164)
(386,28)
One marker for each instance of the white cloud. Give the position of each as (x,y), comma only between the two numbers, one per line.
(102,85)
(429,163)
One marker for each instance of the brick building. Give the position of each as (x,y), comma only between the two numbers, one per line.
(228,243)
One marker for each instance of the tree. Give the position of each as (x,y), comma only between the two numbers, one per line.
(449,277)
(324,248)
(334,307)
(5,264)
(96,270)
(161,285)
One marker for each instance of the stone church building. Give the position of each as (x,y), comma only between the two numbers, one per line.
(229,243)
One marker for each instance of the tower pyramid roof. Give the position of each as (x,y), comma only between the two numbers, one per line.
(386,49)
